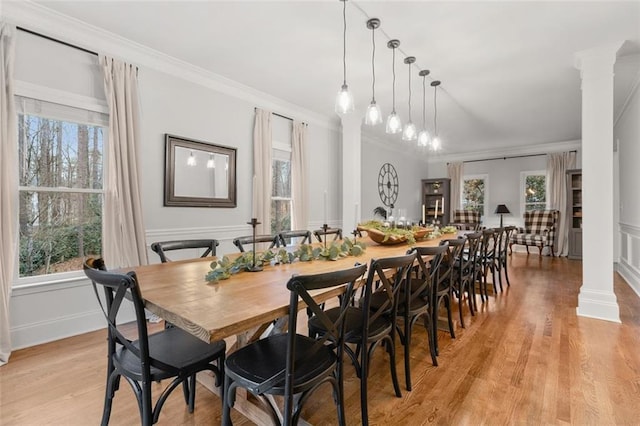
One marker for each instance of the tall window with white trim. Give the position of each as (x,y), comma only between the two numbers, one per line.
(60,151)
(474,192)
(534,190)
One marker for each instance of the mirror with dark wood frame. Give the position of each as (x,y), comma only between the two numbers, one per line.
(199,174)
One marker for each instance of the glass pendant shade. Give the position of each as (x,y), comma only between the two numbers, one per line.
(423,138)
(394,125)
(191,161)
(344,100)
(211,163)
(373,116)
(436,144)
(409,133)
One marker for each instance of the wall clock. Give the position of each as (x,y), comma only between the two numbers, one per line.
(388,184)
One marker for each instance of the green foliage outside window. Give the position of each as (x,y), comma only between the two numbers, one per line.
(535,192)
(473,195)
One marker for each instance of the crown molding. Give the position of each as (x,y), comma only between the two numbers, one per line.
(535,149)
(74,31)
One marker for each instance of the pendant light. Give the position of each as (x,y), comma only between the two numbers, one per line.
(409,132)
(191,161)
(373,115)
(435,143)
(344,100)
(211,164)
(423,136)
(394,125)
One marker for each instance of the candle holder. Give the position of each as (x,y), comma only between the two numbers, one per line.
(325,227)
(254,268)
(356,233)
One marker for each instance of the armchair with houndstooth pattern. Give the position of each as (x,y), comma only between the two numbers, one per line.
(466,220)
(539,230)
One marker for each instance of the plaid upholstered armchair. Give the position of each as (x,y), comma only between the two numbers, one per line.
(539,230)
(466,220)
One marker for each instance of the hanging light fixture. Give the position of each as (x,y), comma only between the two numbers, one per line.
(373,115)
(211,164)
(344,100)
(409,132)
(191,161)
(394,125)
(423,136)
(435,143)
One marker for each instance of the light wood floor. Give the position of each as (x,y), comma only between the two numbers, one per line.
(525,358)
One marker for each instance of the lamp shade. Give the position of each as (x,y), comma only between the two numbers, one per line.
(502,209)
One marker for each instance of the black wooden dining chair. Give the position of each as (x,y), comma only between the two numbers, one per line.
(161,247)
(373,321)
(170,353)
(418,302)
(240,242)
(467,272)
(302,236)
(293,365)
(322,233)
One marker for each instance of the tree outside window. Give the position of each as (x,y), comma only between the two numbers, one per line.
(473,194)
(535,194)
(281,194)
(60,194)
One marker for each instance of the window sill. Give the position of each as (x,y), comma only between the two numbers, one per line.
(49,284)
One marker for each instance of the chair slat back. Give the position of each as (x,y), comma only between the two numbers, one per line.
(162,247)
(116,288)
(470,253)
(240,242)
(429,261)
(336,232)
(393,275)
(304,234)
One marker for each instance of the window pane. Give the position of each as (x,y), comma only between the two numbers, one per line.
(535,189)
(281,175)
(54,153)
(473,195)
(534,206)
(280,216)
(57,230)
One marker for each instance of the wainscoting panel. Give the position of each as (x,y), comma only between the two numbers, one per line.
(629,265)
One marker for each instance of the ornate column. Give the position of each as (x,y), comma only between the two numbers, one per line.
(597,299)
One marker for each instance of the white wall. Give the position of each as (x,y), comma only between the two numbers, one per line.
(503,183)
(411,167)
(627,133)
(173,105)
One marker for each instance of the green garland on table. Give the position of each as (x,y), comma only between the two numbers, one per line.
(223,269)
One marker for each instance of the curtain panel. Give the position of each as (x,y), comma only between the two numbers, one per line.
(261,199)
(8,184)
(557,166)
(455,171)
(123,227)
(299,192)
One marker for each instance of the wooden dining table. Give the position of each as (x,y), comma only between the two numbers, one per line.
(243,306)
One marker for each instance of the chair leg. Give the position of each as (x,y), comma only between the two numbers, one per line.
(447,304)
(364,375)
(506,272)
(192,392)
(146,412)
(430,338)
(340,396)
(461,291)
(226,402)
(391,349)
(407,352)
(540,249)
(108,397)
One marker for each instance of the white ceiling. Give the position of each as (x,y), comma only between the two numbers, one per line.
(507,70)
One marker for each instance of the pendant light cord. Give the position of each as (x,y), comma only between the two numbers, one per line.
(424,105)
(373,65)
(393,69)
(344,42)
(410,92)
(435,111)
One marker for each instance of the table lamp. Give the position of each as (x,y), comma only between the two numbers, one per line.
(502,209)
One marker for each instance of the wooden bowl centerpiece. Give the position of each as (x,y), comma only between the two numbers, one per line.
(387,235)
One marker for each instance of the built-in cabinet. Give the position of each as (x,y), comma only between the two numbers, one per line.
(436,200)
(574,212)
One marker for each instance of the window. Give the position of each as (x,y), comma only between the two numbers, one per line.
(281,189)
(61,173)
(534,190)
(474,193)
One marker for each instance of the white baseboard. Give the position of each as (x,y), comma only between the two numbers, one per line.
(630,274)
(598,304)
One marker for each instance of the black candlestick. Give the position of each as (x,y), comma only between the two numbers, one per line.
(254,268)
(355,234)
(325,227)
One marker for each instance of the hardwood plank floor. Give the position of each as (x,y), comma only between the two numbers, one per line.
(525,358)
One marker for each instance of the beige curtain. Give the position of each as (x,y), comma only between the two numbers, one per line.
(262,171)
(8,184)
(123,227)
(557,166)
(300,203)
(455,171)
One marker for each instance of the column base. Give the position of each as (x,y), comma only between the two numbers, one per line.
(599,305)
